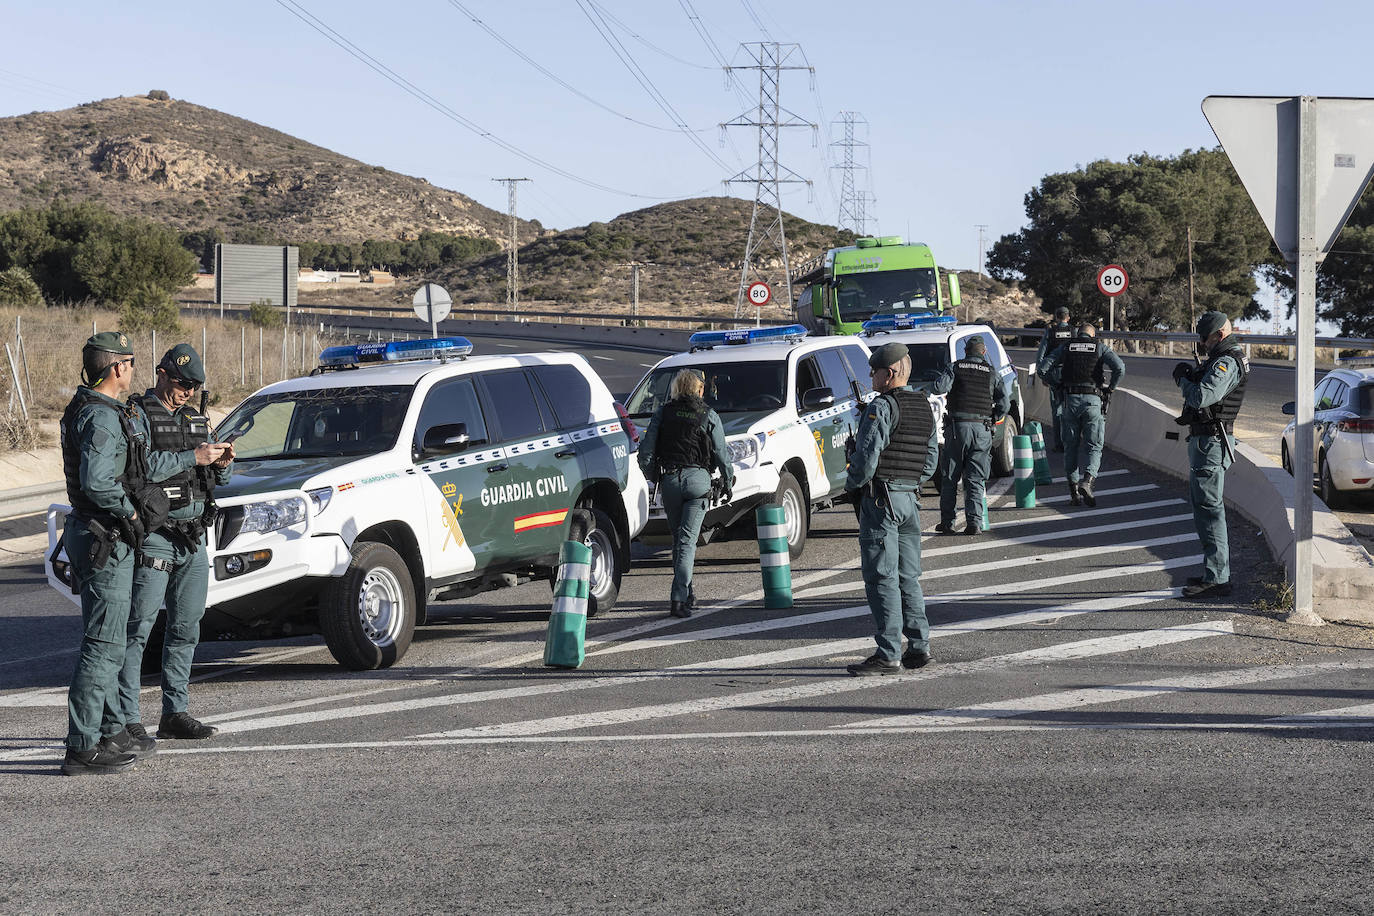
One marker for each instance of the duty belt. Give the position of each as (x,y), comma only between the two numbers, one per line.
(1209,429)
(157,563)
(670,468)
(1082,389)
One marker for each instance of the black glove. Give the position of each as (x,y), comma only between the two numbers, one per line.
(1182,371)
(131,531)
(727,494)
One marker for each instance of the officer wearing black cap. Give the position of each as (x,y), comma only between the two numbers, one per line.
(895,450)
(171,566)
(105,462)
(1056,335)
(1212,395)
(1087,371)
(976,401)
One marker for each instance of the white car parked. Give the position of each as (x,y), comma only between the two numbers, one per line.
(1343,434)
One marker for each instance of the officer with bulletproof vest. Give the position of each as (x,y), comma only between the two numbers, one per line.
(685,440)
(106,465)
(171,567)
(1212,395)
(894,451)
(1056,335)
(976,401)
(1087,371)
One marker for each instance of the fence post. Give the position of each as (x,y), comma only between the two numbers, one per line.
(14,374)
(243,355)
(154,348)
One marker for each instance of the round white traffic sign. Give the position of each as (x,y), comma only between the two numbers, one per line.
(432,303)
(1112,280)
(759,293)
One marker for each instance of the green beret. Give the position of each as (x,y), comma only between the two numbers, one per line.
(887,355)
(183,362)
(1210,323)
(110,342)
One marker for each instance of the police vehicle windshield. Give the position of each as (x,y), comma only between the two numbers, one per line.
(730,387)
(320,423)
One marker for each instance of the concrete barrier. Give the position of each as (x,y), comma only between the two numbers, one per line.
(1256,487)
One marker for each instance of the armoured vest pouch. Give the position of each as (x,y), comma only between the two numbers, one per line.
(905,455)
(176,432)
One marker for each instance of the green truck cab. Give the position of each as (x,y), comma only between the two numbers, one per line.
(845,287)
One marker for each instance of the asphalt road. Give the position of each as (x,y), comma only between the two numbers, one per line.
(1084,740)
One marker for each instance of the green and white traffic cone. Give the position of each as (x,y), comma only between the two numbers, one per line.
(1025,469)
(1043,474)
(774,560)
(987,526)
(565,644)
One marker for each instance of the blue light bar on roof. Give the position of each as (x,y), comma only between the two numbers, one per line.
(396,351)
(903,322)
(705,340)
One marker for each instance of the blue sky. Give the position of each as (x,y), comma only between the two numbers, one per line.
(968,104)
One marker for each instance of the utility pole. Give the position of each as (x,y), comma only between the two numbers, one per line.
(1192,321)
(982,228)
(853,202)
(513,253)
(770,59)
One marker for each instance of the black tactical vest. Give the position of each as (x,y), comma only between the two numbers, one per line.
(971,395)
(905,455)
(683,440)
(1228,408)
(1080,366)
(135,476)
(1059,335)
(177,432)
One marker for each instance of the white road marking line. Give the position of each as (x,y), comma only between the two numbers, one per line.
(1086,648)
(1051,500)
(1077,515)
(1341,714)
(990,543)
(605,358)
(1116,693)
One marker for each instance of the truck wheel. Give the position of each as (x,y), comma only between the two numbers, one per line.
(1004,455)
(598,532)
(367,615)
(794,512)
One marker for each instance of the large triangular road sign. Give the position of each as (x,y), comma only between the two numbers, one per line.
(1261,137)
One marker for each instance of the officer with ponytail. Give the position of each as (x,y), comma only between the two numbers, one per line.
(684,441)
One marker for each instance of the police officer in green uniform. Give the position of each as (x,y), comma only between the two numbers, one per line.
(171,567)
(1087,371)
(105,463)
(895,450)
(1056,335)
(975,403)
(1212,395)
(685,440)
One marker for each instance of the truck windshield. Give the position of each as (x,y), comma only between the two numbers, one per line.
(730,387)
(320,423)
(861,296)
(928,360)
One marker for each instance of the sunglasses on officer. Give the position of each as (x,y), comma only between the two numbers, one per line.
(177,380)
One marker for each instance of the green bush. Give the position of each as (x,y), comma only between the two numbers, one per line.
(149,308)
(18,288)
(265,315)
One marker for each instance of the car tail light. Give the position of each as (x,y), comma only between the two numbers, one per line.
(1356,425)
(629,425)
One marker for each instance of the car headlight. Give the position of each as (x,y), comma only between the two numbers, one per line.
(320,498)
(744,451)
(273,514)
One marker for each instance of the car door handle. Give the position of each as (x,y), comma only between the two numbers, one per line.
(566,453)
(497,468)
(837,421)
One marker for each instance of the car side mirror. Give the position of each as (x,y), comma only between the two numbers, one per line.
(816,398)
(446,439)
(1289,409)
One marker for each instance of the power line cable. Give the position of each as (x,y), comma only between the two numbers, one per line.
(644,41)
(757,21)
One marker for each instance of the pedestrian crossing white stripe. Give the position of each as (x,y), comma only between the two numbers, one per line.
(1050,500)
(1115,528)
(1078,515)
(1087,648)
(1117,693)
(1333,715)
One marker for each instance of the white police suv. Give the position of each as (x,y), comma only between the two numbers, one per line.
(402,472)
(787,402)
(936,341)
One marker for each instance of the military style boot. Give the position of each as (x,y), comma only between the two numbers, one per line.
(1085,489)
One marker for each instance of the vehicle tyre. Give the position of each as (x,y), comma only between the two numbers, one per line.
(598,532)
(367,615)
(1004,454)
(795,512)
(1327,487)
(1284,460)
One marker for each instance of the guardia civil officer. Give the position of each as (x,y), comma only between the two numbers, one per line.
(171,566)
(104,460)
(684,441)
(976,401)
(895,450)
(1056,335)
(1087,371)
(1212,395)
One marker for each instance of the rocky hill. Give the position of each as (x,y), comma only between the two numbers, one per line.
(196,168)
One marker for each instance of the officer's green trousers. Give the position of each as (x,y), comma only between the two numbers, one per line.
(1207,467)
(1084,432)
(183,590)
(890,553)
(684,493)
(967,456)
(1057,415)
(92,700)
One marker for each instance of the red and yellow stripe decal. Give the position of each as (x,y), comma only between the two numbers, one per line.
(540,520)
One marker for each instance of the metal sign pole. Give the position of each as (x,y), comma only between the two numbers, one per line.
(429,307)
(1306,343)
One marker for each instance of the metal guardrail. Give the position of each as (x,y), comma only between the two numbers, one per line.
(1278,340)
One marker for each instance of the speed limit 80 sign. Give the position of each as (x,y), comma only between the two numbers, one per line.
(759,293)
(1112,280)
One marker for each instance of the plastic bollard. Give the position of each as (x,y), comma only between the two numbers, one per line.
(565,644)
(1025,466)
(774,560)
(1043,474)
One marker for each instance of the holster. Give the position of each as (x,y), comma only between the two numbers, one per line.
(102,546)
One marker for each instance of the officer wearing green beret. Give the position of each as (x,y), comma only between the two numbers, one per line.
(105,463)
(895,450)
(171,567)
(1212,395)
(976,401)
(1087,371)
